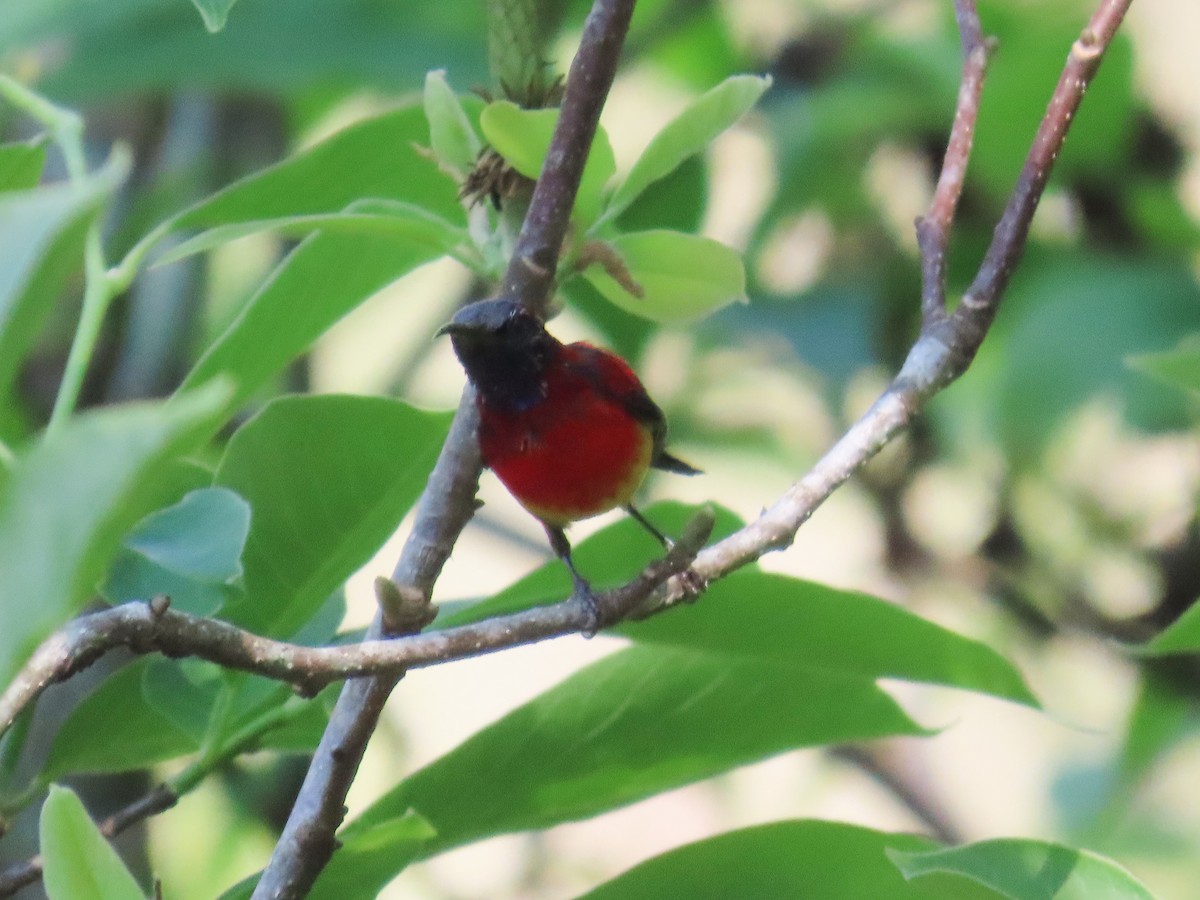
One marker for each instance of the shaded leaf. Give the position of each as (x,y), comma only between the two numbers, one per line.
(114,729)
(184,693)
(809,859)
(21,164)
(77,862)
(802,624)
(636,723)
(1027,870)
(72,497)
(134,577)
(200,537)
(214,13)
(329,478)
(452,137)
(1042,378)
(395,220)
(42,233)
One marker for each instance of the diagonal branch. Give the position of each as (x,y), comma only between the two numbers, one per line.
(947,343)
(933,229)
(155,628)
(942,352)
(448,502)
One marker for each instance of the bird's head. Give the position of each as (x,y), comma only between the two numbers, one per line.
(504,349)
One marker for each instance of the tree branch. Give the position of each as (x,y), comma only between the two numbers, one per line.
(448,502)
(155,628)
(947,343)
(933,229)
(945,347)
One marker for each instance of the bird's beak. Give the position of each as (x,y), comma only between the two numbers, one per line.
(448,328)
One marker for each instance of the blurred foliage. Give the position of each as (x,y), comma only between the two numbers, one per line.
(300,158)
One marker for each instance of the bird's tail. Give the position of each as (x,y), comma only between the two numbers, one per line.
(669,463)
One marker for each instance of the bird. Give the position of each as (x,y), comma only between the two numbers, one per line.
(567,428)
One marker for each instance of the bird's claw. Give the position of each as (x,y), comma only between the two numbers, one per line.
(586,598)
(692,583)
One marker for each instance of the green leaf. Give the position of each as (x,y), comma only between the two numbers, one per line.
(683,276)
(77,862)
(522,137)
(1042,379)
(1181,636)
(372,158)
(214,13)
(329,478)
(451,134)
(200,537)
(363,866)
(134,577)
(686,135)
(70,500)
(42,232)
(790,622)
(114,729)
(126,48)
(21,164)
(1159,717)
(395,220)
(636,723)
(809,859)
(1027,870)
(320,281)
(329,274)
(184,692)
(1180,367)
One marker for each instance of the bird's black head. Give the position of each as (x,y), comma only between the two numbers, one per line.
(504,349)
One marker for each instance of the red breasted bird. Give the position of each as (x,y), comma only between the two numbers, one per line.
(567,428)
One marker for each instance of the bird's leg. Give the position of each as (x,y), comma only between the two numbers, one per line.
(582,588)
(693,582)
(666,542)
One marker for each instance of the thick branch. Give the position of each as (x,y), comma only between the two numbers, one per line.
(446,506)
(154,628)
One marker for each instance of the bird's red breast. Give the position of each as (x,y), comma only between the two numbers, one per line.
(579,450)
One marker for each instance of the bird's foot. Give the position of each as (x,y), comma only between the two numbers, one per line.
(590,603)
(693,584)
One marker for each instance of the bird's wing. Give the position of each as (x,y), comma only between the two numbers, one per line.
(612,377)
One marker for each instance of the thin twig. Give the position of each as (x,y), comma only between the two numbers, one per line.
(946,344)
(933,229)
